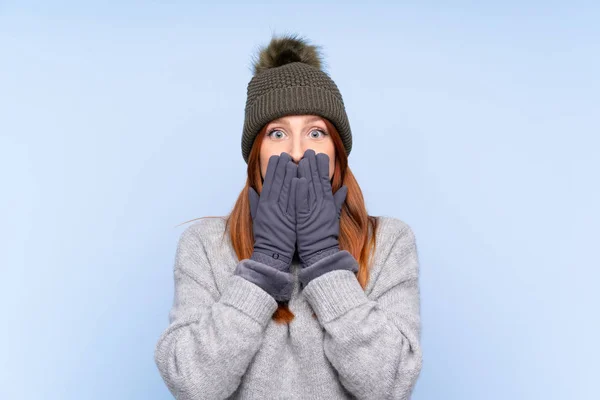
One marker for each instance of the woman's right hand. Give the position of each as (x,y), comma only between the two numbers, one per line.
(274,215)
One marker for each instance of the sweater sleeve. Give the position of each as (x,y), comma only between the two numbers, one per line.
(211,338)
(373,343)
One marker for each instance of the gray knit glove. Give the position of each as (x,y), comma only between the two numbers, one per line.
(318,213)
(274,227)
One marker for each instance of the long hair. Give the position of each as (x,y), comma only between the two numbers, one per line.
(357,228)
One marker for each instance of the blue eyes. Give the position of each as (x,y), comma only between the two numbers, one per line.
(323,133)
(273,131)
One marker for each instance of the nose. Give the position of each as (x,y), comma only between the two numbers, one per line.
(296,153)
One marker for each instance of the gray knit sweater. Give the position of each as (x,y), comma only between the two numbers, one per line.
(221,342)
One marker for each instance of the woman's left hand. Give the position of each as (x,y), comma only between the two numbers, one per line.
(318,209)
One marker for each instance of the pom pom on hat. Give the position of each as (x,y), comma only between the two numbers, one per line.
(285,50)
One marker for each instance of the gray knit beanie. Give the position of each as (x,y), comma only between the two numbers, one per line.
(288,80)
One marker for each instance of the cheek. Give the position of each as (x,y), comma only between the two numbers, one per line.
(263,166)
(265,154)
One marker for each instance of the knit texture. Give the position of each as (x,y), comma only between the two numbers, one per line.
(221,341)
(293,89)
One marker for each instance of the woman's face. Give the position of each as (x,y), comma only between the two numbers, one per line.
(294,134)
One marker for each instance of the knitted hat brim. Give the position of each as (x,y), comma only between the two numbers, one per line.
(294,100)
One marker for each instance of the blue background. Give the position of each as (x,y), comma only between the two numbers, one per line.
(475,123)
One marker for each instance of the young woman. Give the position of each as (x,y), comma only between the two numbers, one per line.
(298,293)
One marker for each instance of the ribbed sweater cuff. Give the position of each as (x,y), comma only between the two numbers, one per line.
(333,294)
(249,299)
